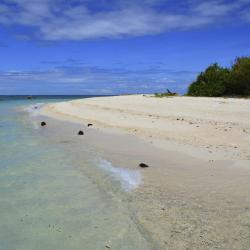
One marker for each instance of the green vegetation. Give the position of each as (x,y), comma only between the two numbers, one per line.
(239,83)
(211,82)
(219,81)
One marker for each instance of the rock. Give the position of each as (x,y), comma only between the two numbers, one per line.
(90,124)
(143,165)
(29,97)
(80,132)
(43,124)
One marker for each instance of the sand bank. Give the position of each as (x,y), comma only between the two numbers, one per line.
(195,194)
(215,124)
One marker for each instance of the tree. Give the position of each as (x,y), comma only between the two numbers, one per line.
(211,82)
(239,82)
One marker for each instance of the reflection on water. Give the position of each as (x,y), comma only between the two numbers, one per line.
(54,196)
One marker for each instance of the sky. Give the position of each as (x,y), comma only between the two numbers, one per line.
(116,46)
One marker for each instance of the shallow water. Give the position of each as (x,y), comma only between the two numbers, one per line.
(56,192)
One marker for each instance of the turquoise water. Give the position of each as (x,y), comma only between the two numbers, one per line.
(53,194)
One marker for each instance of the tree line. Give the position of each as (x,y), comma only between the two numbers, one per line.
(220,81)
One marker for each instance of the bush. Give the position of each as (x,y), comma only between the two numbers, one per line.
(211,82)
(239,82)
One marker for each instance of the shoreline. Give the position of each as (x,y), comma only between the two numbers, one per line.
(220,128)
(113,159)
(190,197)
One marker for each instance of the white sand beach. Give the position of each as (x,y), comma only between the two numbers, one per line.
(169,123)
(195,193)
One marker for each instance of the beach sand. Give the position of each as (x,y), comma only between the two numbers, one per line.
(195,193)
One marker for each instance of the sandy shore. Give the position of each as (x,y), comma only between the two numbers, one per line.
(216,124)
(195,194)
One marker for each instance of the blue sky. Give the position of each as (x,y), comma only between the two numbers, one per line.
(116,46)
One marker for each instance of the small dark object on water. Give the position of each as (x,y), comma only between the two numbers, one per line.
(143,165)
(80,132)
(29,97)
(43,124)
(90,124)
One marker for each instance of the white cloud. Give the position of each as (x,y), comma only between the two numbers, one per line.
(215,8)
(58,20)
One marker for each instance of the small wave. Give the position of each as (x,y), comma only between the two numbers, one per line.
(129,179)
(34,109)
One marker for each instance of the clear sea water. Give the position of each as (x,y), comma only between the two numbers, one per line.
(53,192)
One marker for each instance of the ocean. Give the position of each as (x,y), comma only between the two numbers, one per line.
(57,192)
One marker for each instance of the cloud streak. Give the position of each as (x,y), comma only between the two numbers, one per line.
(59,20)
(94,80)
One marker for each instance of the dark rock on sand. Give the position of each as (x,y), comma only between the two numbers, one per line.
(43,124)
(143,165)
(90,124)
(80,132)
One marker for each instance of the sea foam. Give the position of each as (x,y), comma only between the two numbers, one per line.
(34,109)
(129,179)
